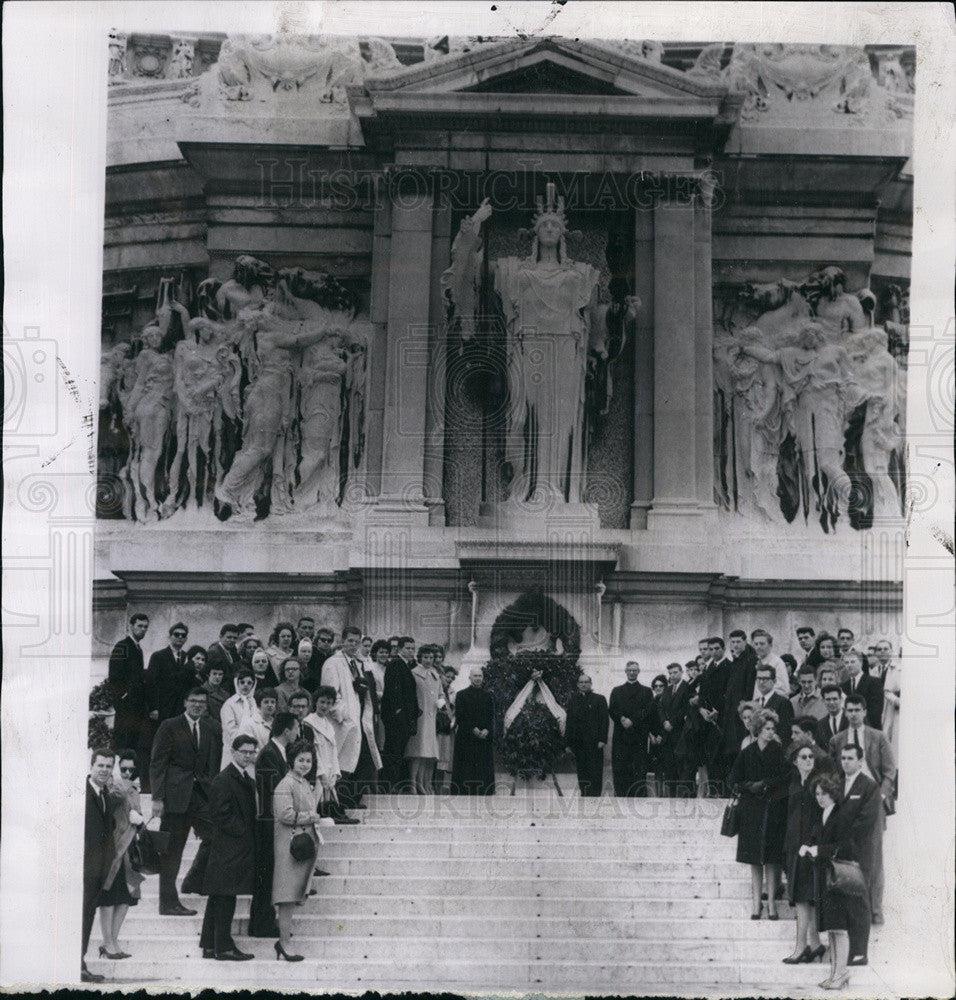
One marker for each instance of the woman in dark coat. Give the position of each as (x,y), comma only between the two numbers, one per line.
(802,813)
(473,767)
(230,871)
(830,837)
(760,776)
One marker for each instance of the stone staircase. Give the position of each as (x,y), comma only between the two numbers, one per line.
(527,893)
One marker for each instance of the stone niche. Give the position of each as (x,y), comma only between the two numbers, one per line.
(474,450)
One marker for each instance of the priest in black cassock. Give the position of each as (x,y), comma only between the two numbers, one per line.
(473,766)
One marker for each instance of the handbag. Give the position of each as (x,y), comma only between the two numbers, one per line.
(846,877)
(302,847)
(443,722)
(730,825)
(147,849)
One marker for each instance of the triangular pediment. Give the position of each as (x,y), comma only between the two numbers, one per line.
(546,66)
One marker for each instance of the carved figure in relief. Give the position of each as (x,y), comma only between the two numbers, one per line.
(148,409)
(113,364)
(757,421)
(550,304)
(267,409)
(834,308)
(320,377)
(206,384)
(817,391)
(181,59)
(879,383)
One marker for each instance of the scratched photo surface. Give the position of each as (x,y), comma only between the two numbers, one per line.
(477,481)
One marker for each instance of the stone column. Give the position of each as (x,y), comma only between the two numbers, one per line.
(406,361)
(437,347)
(675,375)
(377,349)
(643,368)
(704,347)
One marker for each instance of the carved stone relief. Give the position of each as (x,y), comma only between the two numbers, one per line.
(256,400)
(810,407)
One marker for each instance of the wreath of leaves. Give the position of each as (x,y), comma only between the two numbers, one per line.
(534,744)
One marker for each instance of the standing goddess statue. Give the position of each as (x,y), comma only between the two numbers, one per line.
(550,306)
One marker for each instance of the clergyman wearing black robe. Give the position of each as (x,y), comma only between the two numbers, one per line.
(473,765)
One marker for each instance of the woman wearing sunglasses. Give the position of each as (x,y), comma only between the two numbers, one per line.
(121,888)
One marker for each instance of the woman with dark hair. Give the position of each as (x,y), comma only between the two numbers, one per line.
(655,742)
(259,725)
(421,750)
(295,810)
(290,681)
(759,776)
(196,657)
(826,651)
(261,668)
(378,658)
(802,813)
(281,644)
(121,887)
(832,837)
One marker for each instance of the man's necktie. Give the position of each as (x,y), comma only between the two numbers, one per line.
(102,797)
(195,729)
(856,738)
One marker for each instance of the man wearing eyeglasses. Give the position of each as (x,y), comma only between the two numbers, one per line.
(185,759)
(168,677)
(232,857)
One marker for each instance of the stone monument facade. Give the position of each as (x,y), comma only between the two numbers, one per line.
(396,332)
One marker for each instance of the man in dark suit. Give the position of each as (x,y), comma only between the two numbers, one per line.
(712,697)
(862,805)
(767,697)
(168,677)
(878,764)
(125,682)
(232,857)
(740,684)
(185,759)
(399,714)
(223,654)
(585,732)
(869,688)
(674,706)
(97,844)
(631,707)
(271,768)
(835,721)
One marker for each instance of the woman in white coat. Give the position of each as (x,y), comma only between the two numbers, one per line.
(422,751)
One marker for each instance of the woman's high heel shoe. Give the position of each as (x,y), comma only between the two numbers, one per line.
(816,954)
(756,916)
(282,953)
(112,955)
(837,983)
(804,956)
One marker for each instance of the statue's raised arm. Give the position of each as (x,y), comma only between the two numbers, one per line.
(461,281)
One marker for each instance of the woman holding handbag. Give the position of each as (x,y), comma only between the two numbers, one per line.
(121,887)
(831,838)
(802,813)
(295,842)
(445,727)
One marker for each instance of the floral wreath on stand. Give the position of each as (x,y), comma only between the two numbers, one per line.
(532,688)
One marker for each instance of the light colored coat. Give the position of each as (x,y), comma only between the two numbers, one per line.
(326,754)
(232,715)
(428,686)
(344,715)
(293,806)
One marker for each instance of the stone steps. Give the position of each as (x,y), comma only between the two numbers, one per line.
(516,895)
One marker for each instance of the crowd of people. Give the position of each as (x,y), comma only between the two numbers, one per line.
(255,747)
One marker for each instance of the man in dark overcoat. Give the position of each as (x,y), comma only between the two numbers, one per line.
(586,732)
(230,871)
(633,711)
(399,714)
(271,768)
(125,681)
(473,763)
(741,677)
(185,758)
(97,847)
